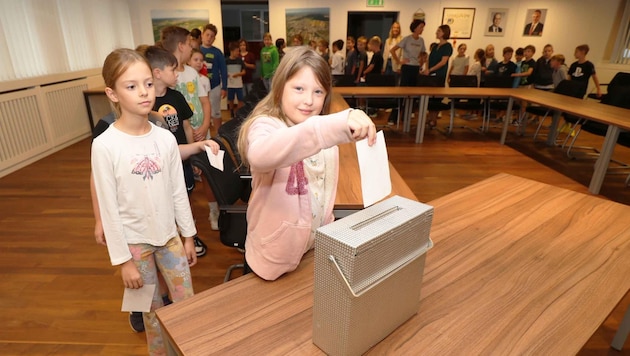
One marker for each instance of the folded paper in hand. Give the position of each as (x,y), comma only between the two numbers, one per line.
(138,300)
(216,161)
(376,183)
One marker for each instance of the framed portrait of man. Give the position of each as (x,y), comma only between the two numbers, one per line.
(535,22)
(497,21)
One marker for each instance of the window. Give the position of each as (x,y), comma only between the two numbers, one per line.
(621,51)
(40,37)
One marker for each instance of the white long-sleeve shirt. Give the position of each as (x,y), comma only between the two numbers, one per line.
(140,187)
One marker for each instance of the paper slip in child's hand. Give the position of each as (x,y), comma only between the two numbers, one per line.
(138,300)
(376,183)
(216,161)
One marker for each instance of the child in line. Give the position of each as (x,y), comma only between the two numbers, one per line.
(461,62)
(542,71)
(506,67)
(249,60)
(290,143)
(527,67)
(137,167)
(336,63)
(376,63)
(518,55)
(560,70)
(197,63)
(322,48)
(361,57)
(351,57)
(270,59)
(236,71)
(280,45)
(478,66)
(176,40)
(217,72)
(582,69)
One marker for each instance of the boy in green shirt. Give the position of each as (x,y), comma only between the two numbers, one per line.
(270,60)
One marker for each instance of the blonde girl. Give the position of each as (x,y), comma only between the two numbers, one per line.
(141,193)
(393,39)
(290,143)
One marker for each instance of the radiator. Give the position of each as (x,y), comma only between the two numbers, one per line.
(38,121)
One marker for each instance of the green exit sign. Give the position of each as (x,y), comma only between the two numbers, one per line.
(375,2)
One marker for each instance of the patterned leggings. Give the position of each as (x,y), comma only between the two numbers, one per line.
(173,264)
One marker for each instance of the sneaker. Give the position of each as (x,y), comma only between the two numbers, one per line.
(200,247)
(391,123)
(136,322)
(214,219)
(516,123)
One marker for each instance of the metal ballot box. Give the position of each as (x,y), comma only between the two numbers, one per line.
(368,274)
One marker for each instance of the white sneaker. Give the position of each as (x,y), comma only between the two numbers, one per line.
(214,219)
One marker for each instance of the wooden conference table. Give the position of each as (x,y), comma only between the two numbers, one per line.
(518,267)
(616,118)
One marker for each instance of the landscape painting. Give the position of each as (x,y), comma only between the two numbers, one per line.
(311,24)
(187,19)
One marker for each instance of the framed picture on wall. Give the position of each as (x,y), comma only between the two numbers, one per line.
(187,19)
(497,22)
(535,22)
(310,24)
(460,20)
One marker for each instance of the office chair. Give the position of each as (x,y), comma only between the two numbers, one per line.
(499,105)
(464,81)
(232,194)
(620,79)
(566,87)
(381,80)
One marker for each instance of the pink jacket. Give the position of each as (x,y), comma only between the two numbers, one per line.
(279,212)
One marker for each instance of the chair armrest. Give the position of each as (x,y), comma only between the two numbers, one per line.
(234,209)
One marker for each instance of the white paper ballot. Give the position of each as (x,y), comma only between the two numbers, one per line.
(376,183)
(138,300)
(216,161)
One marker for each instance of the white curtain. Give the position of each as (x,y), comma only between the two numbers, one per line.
(42,37)
(621,51)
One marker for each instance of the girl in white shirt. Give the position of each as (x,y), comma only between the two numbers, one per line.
(477,67)
(142,198)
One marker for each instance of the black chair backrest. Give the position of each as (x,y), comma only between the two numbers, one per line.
(468,81)
(618,95)
(497,81)
(429,81)
(620,79)
(227,185)
(570,88)
(380,80)
(343,80)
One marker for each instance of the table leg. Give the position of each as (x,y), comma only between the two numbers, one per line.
(422,118)
(622,332)
(553,129)
(506,122)
(601,166)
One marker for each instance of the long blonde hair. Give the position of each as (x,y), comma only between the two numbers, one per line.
(391,34)
(271,105)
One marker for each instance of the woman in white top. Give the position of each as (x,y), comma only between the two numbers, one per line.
(394,38)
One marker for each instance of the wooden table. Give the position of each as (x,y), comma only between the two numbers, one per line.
(615,117)
(518,267)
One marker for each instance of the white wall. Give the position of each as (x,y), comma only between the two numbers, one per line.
(568,24)
(141,16)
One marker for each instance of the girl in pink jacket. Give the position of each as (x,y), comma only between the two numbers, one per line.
(289,142)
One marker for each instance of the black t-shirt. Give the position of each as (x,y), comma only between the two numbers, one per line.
(174,109)
(361,58)
(505,69)
(531,63)
(581,72)
(377,61)
(543,72)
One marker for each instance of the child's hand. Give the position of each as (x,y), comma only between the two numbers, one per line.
(130,275)
(99,234)
(362,126)
(189,248)
(199,134)
(214,147)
